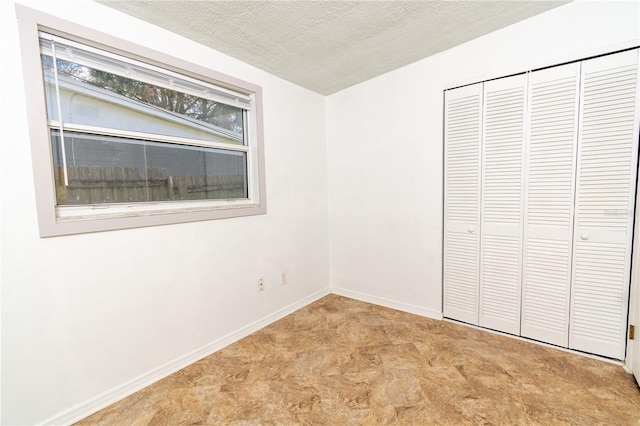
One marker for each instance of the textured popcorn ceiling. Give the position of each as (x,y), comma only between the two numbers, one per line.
(327,46)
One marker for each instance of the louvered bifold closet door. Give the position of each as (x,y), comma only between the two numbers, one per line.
(549,201)
(502,203)
(607,156)
(463,120)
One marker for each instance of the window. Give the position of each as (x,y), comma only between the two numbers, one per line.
(126,137)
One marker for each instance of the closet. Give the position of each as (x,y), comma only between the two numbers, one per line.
(539,189)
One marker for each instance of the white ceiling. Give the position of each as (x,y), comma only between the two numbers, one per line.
(327,46)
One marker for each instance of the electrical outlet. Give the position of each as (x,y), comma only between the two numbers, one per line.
(283,278)
(260,284)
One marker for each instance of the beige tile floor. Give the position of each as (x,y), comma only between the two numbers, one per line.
(343,362)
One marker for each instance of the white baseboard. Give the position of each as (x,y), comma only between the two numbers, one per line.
(400,306)
(111,396)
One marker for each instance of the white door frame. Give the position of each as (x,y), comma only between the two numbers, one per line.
(632,356)
(632,360)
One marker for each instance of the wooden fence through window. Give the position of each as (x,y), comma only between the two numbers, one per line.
(101,184)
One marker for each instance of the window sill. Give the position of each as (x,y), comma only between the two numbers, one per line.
(108,211)
(88,223)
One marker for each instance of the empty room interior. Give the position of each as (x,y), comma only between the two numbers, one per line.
(310,212)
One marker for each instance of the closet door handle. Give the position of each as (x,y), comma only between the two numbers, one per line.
(470,230)
(584,237)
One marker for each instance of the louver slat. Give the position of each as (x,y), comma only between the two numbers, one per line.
(502,198)
(463,120)
(607,150)
(552,140)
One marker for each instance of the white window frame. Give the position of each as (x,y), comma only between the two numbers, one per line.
(54,221)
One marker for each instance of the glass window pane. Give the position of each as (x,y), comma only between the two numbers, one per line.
(90,96)
(199,173)
(105,169)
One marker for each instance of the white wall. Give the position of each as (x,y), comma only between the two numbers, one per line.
(87,314)
(385,149)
